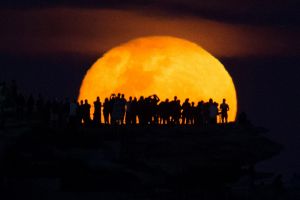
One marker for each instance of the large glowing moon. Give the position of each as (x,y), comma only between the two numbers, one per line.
(162,65)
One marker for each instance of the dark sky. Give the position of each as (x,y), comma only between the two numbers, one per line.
(47,46)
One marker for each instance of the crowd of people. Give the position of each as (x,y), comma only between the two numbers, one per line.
(114,110)
(149,110)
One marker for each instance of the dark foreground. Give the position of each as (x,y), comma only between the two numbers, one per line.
(135,163)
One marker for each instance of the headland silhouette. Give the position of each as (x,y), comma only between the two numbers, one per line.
(142,146)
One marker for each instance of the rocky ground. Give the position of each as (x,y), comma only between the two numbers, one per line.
(157,162)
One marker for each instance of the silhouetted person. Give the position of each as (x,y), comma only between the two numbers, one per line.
(47,112)
(206,113)
(97,112)
(13,91)
(20,106)
(199,118)
(123,107)
(106,110)
(54,113)
(30,105)
(148,110)
(66,110)
(164,110)
(129,114)
(117,111)
(141,111)
(191,114)
(185,111)
(81,111)
(213,111)
(86,112)
(224,109)
(112,101)
(40,106)
(134,110)
(154,99)
(73,113)
(175,110)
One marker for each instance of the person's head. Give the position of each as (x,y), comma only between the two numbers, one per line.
(81,102)
(210,100)
(167,100)
(86,101)
(130,98)
(175,98)
(123,95)
(106,99)
(224,100)
(98,98)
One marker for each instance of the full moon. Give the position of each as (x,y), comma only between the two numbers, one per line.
(161,65)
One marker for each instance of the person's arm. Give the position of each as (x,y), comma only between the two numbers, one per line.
(157,98)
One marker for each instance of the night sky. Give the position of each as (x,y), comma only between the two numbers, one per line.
(47,46)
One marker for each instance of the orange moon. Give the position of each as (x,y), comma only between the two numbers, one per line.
(162,65)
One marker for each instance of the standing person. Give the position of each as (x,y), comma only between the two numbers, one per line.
(116,114)
(123,105)
(199,113)
(30,106)
(81,112)
(106,108)
(154,109)
(224,109)
(176,109)
(73,109)
(129,113)
(134,108)
(86,112)
(185,111)
(174,113)
(213,112)
(97,112)
(192,114)
(112,100)
(141,110)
